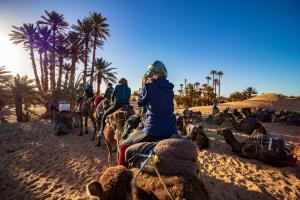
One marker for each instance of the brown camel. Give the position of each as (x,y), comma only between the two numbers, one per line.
(267,149)
(114,129)
(175,162)
(86,112)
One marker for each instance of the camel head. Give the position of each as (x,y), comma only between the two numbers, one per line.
(113,184)
(119,118)
(229,139)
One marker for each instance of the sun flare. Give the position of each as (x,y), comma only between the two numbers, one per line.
(9,54)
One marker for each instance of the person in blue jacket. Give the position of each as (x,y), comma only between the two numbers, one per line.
(158,97)
(120,97)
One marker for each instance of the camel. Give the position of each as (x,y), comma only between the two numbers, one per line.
(180,177)
(265,148)
(114,129)
(288,117)
(86,112)
(63,122)
(197,134)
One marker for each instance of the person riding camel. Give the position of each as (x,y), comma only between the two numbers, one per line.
(88,93)
(120,97)
(109,91)
(158,97)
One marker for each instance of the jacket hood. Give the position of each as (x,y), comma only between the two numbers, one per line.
(163,84)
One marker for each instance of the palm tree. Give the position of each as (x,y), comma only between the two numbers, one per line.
(213,73)
(26,35)
(249,91)
(57,23)
(4,79)
(73,92)
(61,53)
(185,82)
(236,96)
(67,68)
(104,72)
(74,48)
(215,83)
(84,28)
(100,31)
(197,84)
(43,45)
(220,74)
(181,88)
(208,79)
(22,91)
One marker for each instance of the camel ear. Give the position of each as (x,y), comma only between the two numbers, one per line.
(94,188)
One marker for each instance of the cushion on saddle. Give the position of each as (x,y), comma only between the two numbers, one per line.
(176,156)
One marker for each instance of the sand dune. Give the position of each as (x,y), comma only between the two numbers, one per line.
(35,164)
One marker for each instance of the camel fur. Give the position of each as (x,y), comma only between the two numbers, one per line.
(120,183)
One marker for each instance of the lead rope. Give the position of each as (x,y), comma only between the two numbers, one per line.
(153,159)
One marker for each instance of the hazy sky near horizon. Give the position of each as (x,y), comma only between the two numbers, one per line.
(255,43)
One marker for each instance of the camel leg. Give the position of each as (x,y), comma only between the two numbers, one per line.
(86,125)
(95,127)
(81,125)
(109,148)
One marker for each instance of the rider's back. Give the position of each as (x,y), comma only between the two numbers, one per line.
(160,119)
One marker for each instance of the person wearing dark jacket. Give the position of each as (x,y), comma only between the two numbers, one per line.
(120,97)
(157,96)
(109,91)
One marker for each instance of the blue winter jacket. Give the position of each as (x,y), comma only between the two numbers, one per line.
(121,95)
(158,98)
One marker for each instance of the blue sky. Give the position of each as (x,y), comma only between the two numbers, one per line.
(255,43)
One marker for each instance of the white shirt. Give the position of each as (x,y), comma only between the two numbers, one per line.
(64,106)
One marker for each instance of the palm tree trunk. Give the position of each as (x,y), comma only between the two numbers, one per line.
(46,72)
(85,61)
(219,86)
(98,85)
(52,67)
(66,79)
(60,60)
(42,70)
(72,72)
(18,104)
(37,80)
(94,58)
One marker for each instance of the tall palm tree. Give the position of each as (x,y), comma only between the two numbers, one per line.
(185,82)
(26,35)
(43,45)
(104,72)
(22,91)
(215,83)
(57,23)
(67,68)
(61,53)
(181,88)
(84,28)
(208,78)
(74,48)
(100,31)
(197,84)
(220,74)
(213,73)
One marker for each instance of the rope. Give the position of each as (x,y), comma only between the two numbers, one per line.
(153,159)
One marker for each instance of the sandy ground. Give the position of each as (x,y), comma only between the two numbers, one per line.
(36,164)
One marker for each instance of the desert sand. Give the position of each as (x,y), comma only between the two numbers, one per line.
(36,164)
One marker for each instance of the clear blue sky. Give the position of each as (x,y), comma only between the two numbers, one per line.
(255,43)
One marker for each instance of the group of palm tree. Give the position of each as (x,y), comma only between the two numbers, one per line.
(195,94)
(61,47)
(245,94)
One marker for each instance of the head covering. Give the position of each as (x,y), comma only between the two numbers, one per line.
(123,81)
(110,84)
(156,68)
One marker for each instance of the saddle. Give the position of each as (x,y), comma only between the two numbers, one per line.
(176,156)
